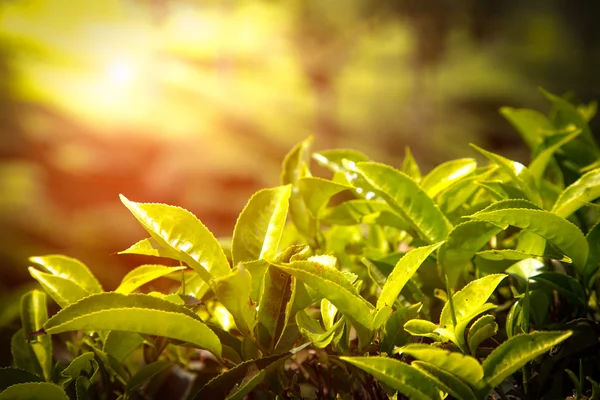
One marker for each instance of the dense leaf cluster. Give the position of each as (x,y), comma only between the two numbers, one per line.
(469,282)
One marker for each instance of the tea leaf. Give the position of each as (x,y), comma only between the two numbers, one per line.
(135,313)
(276,294)
(33,390)
(446,381)
(311,329)
(410,166)
(316,192)
(563,234)
(234,291)
(62,290)
(34,313)
(482,329)
(470,299)
(517,351)
(406,197)
(530,124)
(576,195)
(403,271)
(334,286)
(393,332)
(260,225)
(399,376)
(120,344)
(69,268)
(519,173)
(462,243)
(143,274)
(445,175)
(180,231)
(463,366)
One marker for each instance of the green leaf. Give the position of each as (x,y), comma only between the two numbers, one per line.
(22,354)
(317,192)
(361,211)
(406,197)
(445,175)
(34,313)
(562,233)
(517,351)
(69,268)
(462,243)
(393,332)
(139,313)
(403,271)
(150,247)
(333,159)
(119,344)
(335,287)
(312,330)
(62,290)
(260,225)
(482,329)
(538,166)
(530,124)
(410,166)
(84,363)
(470,299)
(180,231)
(146,373)
(234,291)
(276,295)
(421,327)
(11,376)
(399,376)
(458,195)
(296,166)
(518,172)
(241,379)
(143,274)
(463,366)
(446,381)
(33,390)
(576,195)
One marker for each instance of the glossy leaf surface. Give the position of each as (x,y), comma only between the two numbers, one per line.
(259,227)
(397,375)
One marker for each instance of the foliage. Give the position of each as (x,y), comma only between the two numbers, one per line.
(454,284)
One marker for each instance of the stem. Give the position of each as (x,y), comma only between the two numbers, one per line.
(454,323)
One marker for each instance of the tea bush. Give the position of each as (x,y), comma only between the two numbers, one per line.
(469,282)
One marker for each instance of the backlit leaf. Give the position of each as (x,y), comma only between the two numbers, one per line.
(180,231)
(463,366)
(233,291)
(135,313)
(143,274)
(276,294)
(576,195)
(260,225)
(406,197)
(69,268)
(34,313)
(316,192)
(399,376)
(446,381)
(445,175)
(470,299)
(403,271)
(335,287)
(482,329)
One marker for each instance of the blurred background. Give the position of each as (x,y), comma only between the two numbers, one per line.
(195,103)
